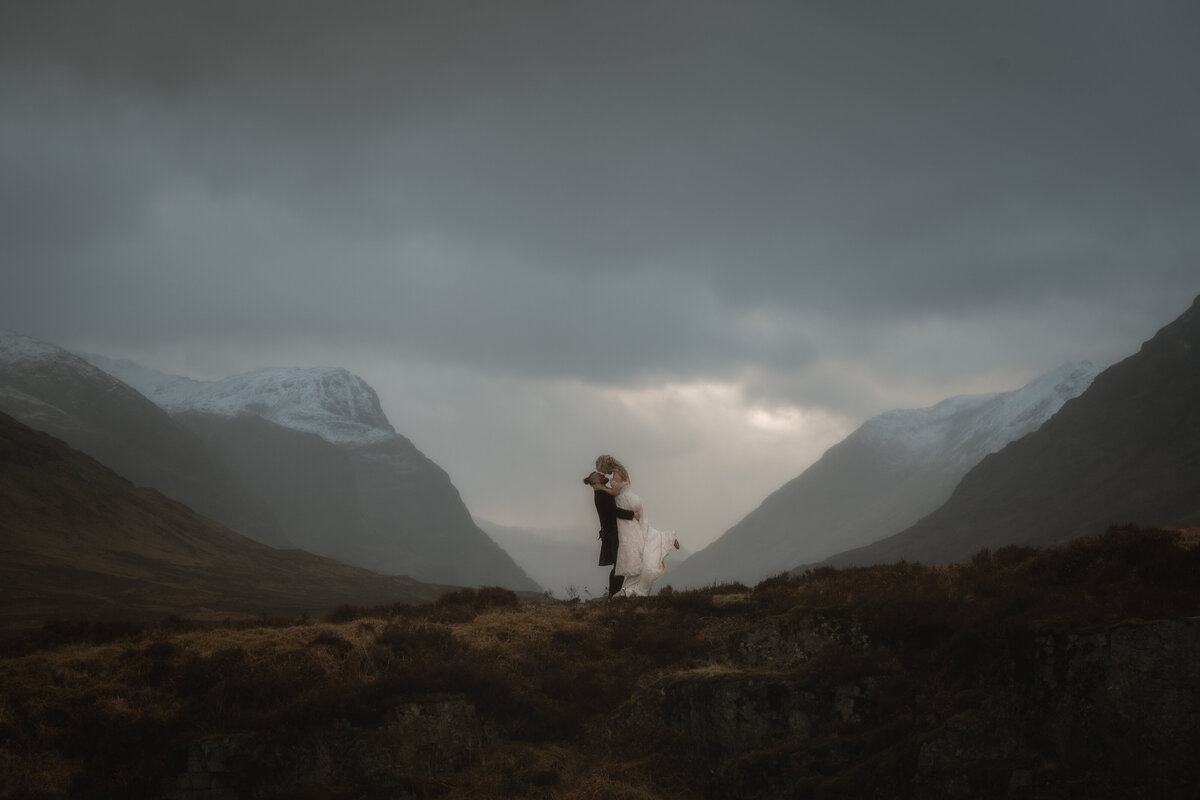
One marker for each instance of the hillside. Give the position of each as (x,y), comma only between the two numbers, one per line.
(316,447)
(889,473)
(1070,672)
(53,390)
(1126,450)
(79,541)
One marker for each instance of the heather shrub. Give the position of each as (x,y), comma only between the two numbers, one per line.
(349,613)
(152,665)
(57,633)
(705,601)
(466,604)
(332,643)
(346,613)
(665,634)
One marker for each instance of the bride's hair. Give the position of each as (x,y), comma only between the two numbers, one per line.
(607,464)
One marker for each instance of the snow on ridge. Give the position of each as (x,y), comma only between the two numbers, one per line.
(922,432)
(330,402)
(327,401)
(969,427)
(16,347)
(21,352)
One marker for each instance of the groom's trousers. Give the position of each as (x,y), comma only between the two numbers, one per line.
(615,582)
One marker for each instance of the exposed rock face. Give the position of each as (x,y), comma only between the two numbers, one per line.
(793,639)
(713,714)
(418,741)
(1110,713)
(1116,711)
(733,718)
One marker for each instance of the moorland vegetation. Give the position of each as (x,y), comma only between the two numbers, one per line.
(100,710)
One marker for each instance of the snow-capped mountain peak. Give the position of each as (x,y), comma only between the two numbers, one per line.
(967,427)
(330,402)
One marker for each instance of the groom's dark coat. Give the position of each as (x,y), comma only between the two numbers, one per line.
(609,512)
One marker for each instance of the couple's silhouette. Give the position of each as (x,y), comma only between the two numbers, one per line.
(635,549)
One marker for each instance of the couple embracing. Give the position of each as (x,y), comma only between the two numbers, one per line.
(636,550)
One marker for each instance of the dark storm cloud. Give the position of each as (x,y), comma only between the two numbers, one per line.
(494,183)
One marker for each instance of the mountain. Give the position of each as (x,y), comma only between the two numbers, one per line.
(889,473)
(315,445)
(564,561)
(325,401)
(53,390)
(1126,450)
(79,541)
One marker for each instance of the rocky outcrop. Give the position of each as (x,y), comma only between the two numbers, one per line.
(1111,714)
(792,639)
(417,742)
(713,714)
(811,703)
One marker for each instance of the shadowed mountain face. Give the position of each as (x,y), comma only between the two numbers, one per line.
(889,473)
(379,504)
(1126,450)
(316,447)
(79,541)
(289,457)
(54,391)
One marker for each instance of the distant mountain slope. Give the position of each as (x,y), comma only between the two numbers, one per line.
(565,561)
(1126,450)
(557,563)
(893,470)
(316,446)
(79,541)
(53,390)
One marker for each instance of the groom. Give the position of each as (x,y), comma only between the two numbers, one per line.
(609,512)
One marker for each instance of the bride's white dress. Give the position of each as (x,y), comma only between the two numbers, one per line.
(643,549)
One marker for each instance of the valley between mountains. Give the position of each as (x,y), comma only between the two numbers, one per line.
(304,462)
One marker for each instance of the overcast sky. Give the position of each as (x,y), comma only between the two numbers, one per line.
(710,238)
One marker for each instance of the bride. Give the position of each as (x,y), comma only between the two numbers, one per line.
(643,549)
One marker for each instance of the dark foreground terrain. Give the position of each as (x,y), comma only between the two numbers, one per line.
(1071,672)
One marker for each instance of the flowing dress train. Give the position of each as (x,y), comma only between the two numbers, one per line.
(643,549)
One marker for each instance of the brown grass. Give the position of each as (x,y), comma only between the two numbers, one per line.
(103,712)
